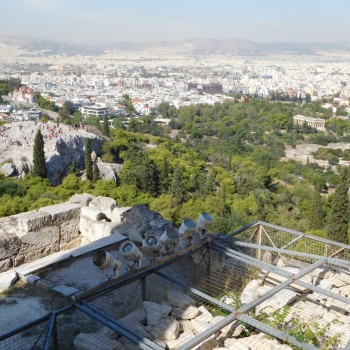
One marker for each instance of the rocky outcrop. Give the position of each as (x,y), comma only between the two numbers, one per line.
(63,145)
(8,169)
(65,152)
(108,171)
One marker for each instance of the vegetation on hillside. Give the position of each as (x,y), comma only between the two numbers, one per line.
(224,159)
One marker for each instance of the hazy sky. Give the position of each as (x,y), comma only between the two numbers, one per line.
(104,21)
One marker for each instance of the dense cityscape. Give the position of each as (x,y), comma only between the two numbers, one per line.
(174,175)
(175,76)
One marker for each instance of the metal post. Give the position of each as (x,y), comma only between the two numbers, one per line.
(143,288)
(279,271)
(259,241)
(208,259)
(49,339)
(117,327)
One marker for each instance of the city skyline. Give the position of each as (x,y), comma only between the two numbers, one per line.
(86,22)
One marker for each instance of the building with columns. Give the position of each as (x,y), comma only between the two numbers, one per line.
(316,123)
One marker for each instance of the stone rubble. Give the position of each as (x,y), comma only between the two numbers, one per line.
(180,319)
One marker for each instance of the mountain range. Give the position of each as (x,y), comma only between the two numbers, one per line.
(239,47)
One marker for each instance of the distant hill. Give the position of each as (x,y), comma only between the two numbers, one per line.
(236,47)
(192,46)
(51,47)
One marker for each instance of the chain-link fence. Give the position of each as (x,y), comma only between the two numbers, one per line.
(264,287)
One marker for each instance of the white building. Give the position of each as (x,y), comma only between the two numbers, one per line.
(94,111)
(316,123)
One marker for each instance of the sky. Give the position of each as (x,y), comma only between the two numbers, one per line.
(107,21)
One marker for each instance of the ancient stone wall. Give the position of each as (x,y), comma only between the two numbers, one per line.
(35,234)
(31,235)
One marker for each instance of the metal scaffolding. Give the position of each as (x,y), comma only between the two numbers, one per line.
(213,273)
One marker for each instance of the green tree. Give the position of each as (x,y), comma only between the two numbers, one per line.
(105,128)
(39,166)
(317,212)
(164,175)
(88,160)
(163,109)
(339,216)
(95,172)
(178,186)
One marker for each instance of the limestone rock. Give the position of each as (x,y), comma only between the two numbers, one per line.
(61,213)
(108,171)
(8,169)
(186,326)
(31,279)
(199,326)
(233,329)
(103,204)
(175,344)
(44,237)
(168,329)
(66,150)
(135,233)
(155,312)
(139,315)
(93,341)
(188,313)
(230,343)
(280,299)
(92,214)
(69,231)
(81,199)
(109,333)
(117,214)
(9,246)
(127,344)
(140,215)
(204,315)
(66,290)
(180,300)
(5,264)
(160,224)
(7,279)
(32,220)
(209,344)
(345,276)
(92,231)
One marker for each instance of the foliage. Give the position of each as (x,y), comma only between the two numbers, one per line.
(105,127)
(95,171)
(88,160)
(309,333)
(225,160)
(9,85)
(317,212)
(339,215)
(39,165)
(46,104)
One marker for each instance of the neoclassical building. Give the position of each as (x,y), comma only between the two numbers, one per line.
(316,123)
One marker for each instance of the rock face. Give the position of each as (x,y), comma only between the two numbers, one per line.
(8,169)
(140,215)
(65,152)
(63,145)
(108,171)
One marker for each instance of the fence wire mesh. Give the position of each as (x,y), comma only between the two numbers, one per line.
(31,338)
(263,288)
